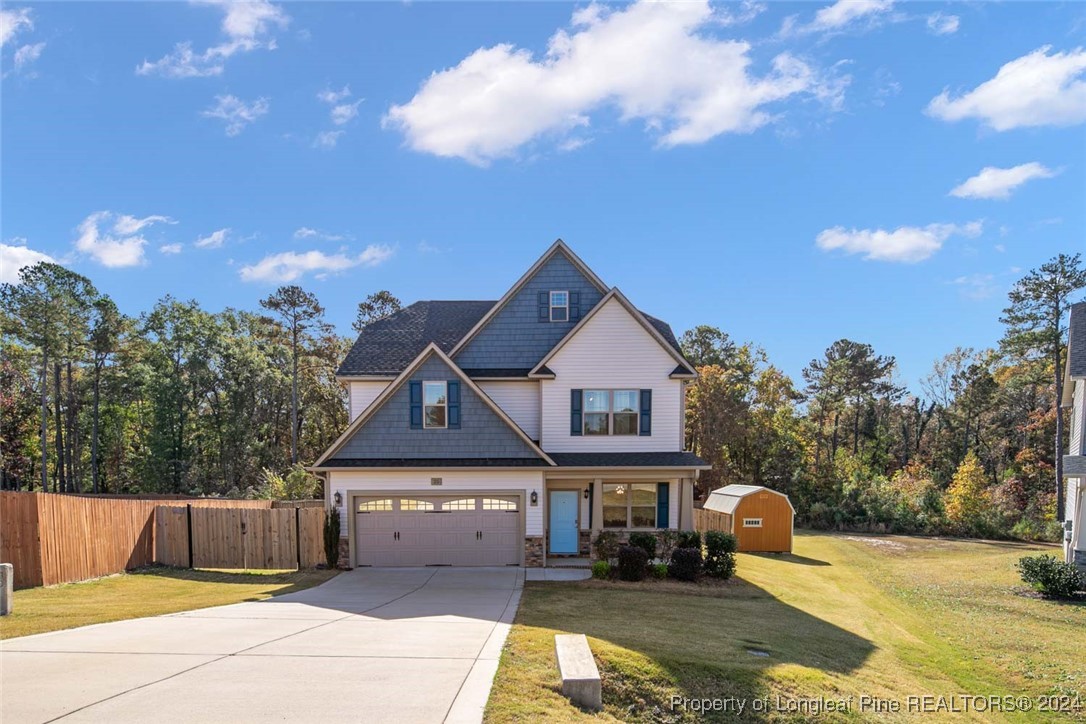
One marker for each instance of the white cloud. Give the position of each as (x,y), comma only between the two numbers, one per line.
(246,26)
(976,286)
(12,22)
(907,244)
(236,113)
(213,240)
(306,232)
(332,96)
(739,14)
(344,112)
(942,24)
(16,256)
(170,248)
(845,12)
(327,139)
(26,55)
(998,183)
(1037,89)
(841,16)
(126,225)
(289,266)
(653,62)
(120,245)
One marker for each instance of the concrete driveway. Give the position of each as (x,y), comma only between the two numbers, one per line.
(415,645)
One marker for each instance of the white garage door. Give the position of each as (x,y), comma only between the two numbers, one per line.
(437,531)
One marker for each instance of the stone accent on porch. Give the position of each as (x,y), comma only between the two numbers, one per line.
(533,551)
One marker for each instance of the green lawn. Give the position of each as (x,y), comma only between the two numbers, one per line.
(845,616)
(148,592)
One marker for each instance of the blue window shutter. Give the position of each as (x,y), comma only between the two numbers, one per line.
(454,404)
(575,399)
(663,505)
(574,306)
(544,306)
(646,412)
(416,404)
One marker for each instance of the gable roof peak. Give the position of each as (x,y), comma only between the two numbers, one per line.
(558,246)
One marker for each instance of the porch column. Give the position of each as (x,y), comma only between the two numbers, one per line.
(686,504)
(597,506)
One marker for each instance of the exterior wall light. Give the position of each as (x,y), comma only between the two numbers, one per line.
(586,493)
(535,497)
(338,497)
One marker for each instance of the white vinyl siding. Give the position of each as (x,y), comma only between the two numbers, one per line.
(452,480)
(1078,420)
(612,351)
(363,393)
(519,400)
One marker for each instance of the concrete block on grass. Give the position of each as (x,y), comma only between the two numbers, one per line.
(7,586)
(580,677)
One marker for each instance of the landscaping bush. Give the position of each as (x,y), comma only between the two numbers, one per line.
(720,554)
(685,564)
(633,563)
(646,542)
(601,570)
(331,537)
(607,544)
(668,540)
(688,539)
(1051,576)
(659,571)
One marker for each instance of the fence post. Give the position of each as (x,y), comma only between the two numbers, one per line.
(298,534)
(189,517)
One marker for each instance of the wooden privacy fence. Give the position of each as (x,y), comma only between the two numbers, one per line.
(711,520)
(52,538)
(195,537)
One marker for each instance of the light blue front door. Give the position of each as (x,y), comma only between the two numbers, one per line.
(563,521)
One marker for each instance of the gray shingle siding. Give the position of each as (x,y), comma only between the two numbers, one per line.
(1076,355)
(514,337)
(388,435)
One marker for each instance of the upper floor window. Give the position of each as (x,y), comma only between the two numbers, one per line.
(610,412)
(434,404)
(559,306)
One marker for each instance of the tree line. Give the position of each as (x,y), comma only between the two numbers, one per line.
(175,400)
(183,400)
(976,451)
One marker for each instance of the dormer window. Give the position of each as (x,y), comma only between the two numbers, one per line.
(559,306)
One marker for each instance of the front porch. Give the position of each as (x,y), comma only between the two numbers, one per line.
(577,506)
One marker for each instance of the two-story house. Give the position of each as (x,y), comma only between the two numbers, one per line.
(1074,463)
(509,432)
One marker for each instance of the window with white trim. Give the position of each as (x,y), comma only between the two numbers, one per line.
(461,504)
(375,506)
(435,403)
(611,412)
(752,522)
(559,306)
(498,504)
(629,505)
(408,504)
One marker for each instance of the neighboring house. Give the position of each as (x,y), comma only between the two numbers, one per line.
(1074,463)
(508,432)
(761,519)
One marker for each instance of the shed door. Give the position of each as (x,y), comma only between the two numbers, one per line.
(437,531)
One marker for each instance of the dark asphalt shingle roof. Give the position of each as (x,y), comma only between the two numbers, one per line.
(387,346)
(627,459)
(435,463)
(1076,354)
(573,460)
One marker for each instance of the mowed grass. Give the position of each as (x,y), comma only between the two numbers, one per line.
(888,617)
(148,592)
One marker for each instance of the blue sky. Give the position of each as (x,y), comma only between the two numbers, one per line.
(791,173)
